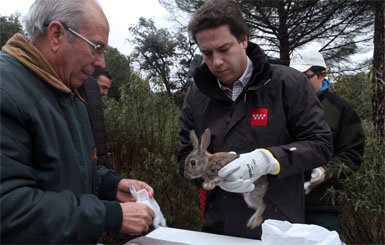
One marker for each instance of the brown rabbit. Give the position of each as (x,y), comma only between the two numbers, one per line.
(200,163)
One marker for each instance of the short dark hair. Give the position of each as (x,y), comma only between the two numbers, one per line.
(101,72)
(317,70)
(215,13)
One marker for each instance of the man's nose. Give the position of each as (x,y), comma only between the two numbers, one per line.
(100,62)
(217,59)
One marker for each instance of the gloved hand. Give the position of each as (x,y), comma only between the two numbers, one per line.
(240,174)
(317,177)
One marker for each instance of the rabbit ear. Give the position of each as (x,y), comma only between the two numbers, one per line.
(194,139)
(205,140)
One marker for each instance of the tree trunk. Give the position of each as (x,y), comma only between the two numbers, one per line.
(283,38)
(378,93)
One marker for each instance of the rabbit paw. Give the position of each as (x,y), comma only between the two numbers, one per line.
(254,221)
(208,186)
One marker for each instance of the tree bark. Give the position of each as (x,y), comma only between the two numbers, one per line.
(378,92)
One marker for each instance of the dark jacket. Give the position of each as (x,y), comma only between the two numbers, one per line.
(295,131)
(90,92)
(348,144)
(51,190)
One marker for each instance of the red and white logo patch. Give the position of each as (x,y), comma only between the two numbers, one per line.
(259,117)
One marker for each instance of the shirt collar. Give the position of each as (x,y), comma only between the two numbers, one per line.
(244,79)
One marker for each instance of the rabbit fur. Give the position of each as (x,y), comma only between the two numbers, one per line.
(200,163)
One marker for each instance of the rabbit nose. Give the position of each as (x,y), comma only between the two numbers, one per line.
(193,162)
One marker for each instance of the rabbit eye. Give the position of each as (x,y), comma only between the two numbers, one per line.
(193,162)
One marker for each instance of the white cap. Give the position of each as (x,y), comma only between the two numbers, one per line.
(307,58)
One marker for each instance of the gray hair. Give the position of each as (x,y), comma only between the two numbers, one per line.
(42,12)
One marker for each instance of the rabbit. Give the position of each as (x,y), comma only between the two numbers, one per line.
(200,163)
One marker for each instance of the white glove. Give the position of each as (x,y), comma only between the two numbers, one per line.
(317,177)
(240,174)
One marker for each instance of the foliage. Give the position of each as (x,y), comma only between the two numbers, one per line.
(363,219)
(9,25)
(156,51)
(119,66)
(281,26)
(355,89)
(143,135)
(378,78)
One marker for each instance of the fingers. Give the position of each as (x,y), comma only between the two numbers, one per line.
(143,185)
(229,168)
(237,186)
(124,194)
(137,217)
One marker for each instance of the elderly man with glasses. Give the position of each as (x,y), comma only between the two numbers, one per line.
(51,189)
(348,142)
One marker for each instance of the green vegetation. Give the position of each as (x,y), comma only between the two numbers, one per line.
(143,132)
(9,25)
(363,218)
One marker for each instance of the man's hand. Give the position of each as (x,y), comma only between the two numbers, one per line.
(317,177)
(137,217)
(240,174)
(124,195)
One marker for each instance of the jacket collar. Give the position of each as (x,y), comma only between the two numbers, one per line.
(207,82)
(321,95)
(23,51)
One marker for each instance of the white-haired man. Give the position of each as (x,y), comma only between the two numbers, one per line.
(51,189)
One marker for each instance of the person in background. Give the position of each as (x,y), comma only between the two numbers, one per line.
(348,141)
(104,80)
(51,189)
(267,113)
(92,91)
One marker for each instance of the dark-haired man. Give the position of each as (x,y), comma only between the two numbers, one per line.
(267,113)
(348,141)
(103,78)
(91,91)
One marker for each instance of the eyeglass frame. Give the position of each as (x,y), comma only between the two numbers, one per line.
(95,47)
(311,75)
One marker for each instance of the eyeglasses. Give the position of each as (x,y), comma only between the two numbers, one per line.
(97,49)
(311,75)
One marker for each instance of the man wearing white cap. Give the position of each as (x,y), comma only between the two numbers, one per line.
(348,141)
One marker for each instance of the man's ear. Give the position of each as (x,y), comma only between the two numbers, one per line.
(323,75)
(244,41)
(56,35)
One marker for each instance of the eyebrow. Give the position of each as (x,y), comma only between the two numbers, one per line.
(220,47)
(101,43)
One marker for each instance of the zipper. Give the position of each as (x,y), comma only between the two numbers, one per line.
(75,120)
(247,89)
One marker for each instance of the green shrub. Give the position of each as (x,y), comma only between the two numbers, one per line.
(142,130)
(363,218)
(355,89)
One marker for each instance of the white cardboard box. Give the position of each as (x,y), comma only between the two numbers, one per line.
(198,238)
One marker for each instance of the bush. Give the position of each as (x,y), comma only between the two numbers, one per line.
(363,218)
(355,89)
(142,129)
